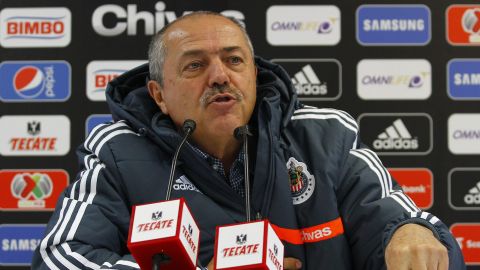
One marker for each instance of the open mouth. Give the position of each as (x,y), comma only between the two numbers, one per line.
(222,98)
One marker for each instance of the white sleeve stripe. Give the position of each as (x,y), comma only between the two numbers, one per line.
(62,260)
(405,205)
(434,220)
(374,159)
(44,243)
(92,134)
(59,233)
(341,113)
(413,215)
(323,117)
(128,263)
(370,165)
(401,203)
(79,257)
(424,215)
(93,138)
(406,199)
(107,264)
(111,135)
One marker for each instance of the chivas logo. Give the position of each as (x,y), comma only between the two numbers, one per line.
(157,215)
(241,239)
(33,128)
(302,183)
(275,249)
(190,229)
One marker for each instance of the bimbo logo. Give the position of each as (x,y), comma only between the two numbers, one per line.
(100,73)
(393,25)
(394,79)
(314,79)
(126,20)
(35,27)
(397,134)
(35,81)
(464,78)
(463,24)
(303,25)
(24,190)
(35,135)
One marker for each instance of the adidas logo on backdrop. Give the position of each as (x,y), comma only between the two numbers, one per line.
(307,82)
(473,196)
(396,136)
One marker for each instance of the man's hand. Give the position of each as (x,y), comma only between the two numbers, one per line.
(415,247)
(288,264)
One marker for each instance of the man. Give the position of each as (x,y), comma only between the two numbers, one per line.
(330,199)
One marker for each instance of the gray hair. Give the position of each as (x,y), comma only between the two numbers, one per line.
(157,50)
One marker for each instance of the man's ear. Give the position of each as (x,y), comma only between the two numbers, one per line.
(156,91)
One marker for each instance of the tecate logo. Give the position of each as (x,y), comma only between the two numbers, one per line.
(26,190)
(394,79)
(463,25)
(397,134)
(464,133)
(303,25)
(34,135)
(35,27)
(393,25)
(100,73)
(464,78)
(35,81)
(464,188)
(468,238)
(127,19)
(314,79)
(417,183)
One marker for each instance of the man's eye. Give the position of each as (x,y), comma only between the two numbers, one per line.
(193,66)
(235,60)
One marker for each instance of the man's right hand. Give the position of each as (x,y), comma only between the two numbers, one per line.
(288,264)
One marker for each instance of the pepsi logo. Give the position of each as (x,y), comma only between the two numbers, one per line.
(27,82)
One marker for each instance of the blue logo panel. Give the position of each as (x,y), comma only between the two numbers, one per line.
(393,25)
(35,81)
(464,78)
(18,241)
(94,120)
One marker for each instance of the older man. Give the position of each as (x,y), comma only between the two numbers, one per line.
(330,199)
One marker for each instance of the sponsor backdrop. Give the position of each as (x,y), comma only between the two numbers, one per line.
(409,73)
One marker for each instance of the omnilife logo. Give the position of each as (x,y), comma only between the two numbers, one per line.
(397,134)
(35,27)
(314,79)
(464,133)
(114,20)
(464,188)
(303,25)
(399,79)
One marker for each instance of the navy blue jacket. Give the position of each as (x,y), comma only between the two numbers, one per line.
(330,199)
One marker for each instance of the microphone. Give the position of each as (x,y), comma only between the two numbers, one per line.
(165,233)
(249,245)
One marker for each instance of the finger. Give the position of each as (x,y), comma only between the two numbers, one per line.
(291,264)
(443,262)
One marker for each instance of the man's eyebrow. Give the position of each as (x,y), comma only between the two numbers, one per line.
(202,52)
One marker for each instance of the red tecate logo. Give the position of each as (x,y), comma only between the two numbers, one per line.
(468,238)
(417,183)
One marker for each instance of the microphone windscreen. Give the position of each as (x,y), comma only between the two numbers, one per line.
(189,124)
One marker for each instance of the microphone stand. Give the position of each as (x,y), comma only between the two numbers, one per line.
(242,133)
(188,128)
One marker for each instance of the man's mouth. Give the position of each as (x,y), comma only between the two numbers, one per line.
(222,98)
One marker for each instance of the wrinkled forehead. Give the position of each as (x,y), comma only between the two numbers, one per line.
(206,31)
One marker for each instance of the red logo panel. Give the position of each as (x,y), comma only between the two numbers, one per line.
(463,24)
(417,183)
(468,238)
(31,190)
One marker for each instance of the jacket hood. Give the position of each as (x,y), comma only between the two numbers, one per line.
(128,97)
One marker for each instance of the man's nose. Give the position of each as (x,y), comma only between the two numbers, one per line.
(218,74)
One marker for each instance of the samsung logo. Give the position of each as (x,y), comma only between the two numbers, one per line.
(393,25)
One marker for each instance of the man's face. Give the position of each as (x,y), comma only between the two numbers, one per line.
(209,76)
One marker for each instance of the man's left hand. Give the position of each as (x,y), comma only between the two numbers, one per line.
(414,246)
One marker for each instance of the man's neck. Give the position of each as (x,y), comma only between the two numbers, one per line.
(225,149)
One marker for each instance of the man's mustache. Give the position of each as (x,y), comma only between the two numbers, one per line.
(219,89)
